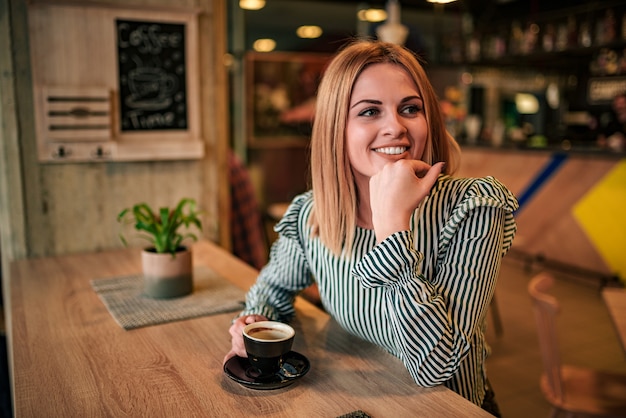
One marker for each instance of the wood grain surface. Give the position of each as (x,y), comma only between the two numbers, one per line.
(615,299)
(70,358)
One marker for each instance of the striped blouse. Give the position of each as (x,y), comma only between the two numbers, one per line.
(422,294)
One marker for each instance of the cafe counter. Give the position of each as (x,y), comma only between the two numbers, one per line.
(571,205)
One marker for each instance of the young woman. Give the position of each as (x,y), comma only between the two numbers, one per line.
(404,255)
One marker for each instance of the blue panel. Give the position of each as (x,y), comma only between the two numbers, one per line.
(548,171)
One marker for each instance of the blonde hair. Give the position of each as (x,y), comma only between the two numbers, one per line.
(334,190)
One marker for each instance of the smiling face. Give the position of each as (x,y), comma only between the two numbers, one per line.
(386,121)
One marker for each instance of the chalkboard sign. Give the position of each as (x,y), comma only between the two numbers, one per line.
(152,74)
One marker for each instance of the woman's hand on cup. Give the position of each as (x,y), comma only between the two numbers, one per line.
(236,334)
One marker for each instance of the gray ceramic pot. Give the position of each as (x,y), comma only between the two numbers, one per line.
(167,276)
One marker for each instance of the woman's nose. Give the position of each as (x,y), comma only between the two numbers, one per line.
(394,125)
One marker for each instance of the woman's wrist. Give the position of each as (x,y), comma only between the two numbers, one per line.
(390,226)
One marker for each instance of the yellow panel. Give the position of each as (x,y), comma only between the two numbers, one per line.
(601,215)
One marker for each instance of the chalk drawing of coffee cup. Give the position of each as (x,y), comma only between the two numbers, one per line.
(150,88)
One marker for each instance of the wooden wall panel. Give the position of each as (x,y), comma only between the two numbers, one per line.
(74,54)
(513,168)
(73,207)
(12,211)
(547,227)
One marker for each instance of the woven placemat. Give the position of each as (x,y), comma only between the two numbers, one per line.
(124,298)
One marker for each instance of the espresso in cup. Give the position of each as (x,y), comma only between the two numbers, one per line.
(266,343)
(268,334)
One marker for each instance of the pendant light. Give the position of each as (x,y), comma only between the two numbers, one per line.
(392,30)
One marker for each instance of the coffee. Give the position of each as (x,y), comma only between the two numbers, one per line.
(266,342)
(269,334)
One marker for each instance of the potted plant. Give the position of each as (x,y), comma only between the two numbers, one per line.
(166,263)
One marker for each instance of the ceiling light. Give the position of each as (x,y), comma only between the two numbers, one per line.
(553,96)
(372,15)
(264,45)
(309,32)
(252,4)
(526,104)
(467,78)
(440,1)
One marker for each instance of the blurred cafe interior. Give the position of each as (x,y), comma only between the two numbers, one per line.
(527,88)
(530,90)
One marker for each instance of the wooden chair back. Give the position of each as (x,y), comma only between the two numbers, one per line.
(546,309)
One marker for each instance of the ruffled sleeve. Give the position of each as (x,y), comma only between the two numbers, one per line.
(287,271)
(481,192)
(288,226)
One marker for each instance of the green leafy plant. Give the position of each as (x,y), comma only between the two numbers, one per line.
(163,228)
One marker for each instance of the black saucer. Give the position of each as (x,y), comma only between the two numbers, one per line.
(295,366)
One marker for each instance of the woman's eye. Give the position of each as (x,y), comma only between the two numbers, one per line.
(368,112)
(411,109)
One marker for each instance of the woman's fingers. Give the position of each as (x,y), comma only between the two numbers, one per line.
(419,167)
(236,334)
(430,176)
(396,191)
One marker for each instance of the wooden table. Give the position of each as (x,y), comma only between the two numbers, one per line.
(70,358)
(615,299)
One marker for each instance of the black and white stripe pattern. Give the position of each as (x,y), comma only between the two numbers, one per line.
(421,294)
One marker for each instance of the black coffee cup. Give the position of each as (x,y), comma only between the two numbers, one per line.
(266,343)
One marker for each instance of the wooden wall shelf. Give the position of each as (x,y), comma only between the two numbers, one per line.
(114,83)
